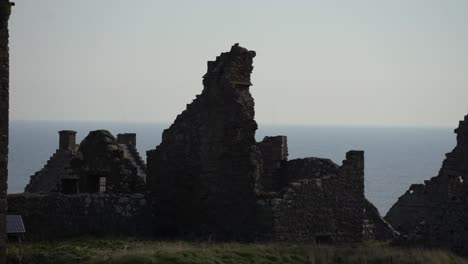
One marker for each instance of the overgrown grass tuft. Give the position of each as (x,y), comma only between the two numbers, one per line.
(94,251)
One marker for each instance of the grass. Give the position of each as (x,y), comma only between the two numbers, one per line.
(141,252)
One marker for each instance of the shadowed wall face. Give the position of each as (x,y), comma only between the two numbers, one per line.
(56,216)
(434,213)
(4,106)
(204,171)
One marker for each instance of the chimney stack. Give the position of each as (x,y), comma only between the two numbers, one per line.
(67,139)
(127,139)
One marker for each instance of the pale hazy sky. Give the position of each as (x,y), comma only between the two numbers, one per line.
(348,62)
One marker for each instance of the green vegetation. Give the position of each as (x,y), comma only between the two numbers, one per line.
(139,252)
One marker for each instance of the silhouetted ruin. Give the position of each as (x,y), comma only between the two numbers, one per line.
(5,10)
(204,172)
(100,164)
(434,214)
(208,178)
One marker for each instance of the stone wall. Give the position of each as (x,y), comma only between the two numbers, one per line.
(209,178)
(274,157)
(5,9)
(375,226)
(411,209)
(101,156)
(55,216)
(49,178)
(100,163)
(128,144)
(204,172)
(309,168)
(434,214)
(322,208)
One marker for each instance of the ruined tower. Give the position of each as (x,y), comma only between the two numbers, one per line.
(5,9)
(67,140)
(203,174)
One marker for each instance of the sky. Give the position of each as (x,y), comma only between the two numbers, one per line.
(329,62)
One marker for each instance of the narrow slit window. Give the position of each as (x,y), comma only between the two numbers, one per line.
(102,184)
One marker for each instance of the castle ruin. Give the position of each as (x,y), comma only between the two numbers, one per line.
(208,178)
(434,214)
(101,163)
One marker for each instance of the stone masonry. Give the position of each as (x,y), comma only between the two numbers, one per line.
(434,214)
(209,178)
(324,205)
(274,152)
(5,10)
(57,216)
(101,163)
(127,142)
(57,168)
(203,174)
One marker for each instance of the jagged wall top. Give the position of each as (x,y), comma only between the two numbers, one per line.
(235,65)
(456,162)
(462,131)
(5,8)
(203,174)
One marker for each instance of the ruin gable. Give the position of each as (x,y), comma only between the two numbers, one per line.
(434,214)
(203,174)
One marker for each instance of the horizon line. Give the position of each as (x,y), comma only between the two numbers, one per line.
(259,124)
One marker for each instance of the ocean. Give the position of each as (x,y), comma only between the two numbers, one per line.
(395,157)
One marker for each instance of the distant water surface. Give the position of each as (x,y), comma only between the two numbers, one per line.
(395,158)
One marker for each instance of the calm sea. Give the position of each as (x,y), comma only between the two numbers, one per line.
(395,157)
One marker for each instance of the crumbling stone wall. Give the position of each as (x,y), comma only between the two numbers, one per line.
(302,199)
(209,177)
(375,226)
(55,216)
(49,178)
(326,207)
(274,152)
(79,168)
(309,168)
(58,167)
(101,156)
(128,144)
(203,174)
(5,9)
(434,214)
(411,209)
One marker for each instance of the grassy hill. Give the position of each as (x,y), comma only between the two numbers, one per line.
(120,251)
